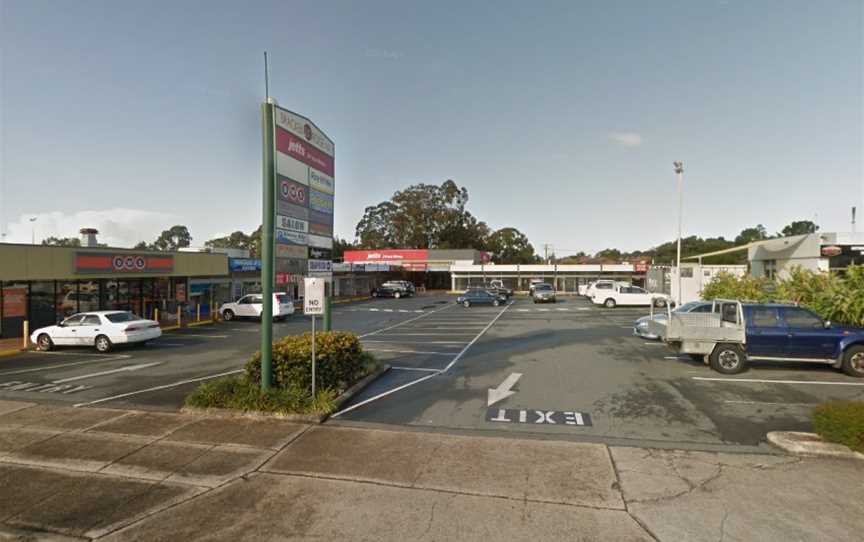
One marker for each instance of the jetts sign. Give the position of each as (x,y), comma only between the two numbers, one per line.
(102,263)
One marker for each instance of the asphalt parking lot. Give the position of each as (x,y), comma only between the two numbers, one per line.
(582,375)
(577,372)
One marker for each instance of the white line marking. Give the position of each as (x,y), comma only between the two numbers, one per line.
(766,381)
(407,334)
(157,388)
(469,345)
(374,310)
(653,344)
(427,377)
(408,351)
(413,342)
(421,369)
(108,372)
(764,403)
(405,322)
(387,310)
(47,367)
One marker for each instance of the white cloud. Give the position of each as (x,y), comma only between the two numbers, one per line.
(626,139)
(117,227)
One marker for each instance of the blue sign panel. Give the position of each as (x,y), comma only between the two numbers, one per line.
(244,264)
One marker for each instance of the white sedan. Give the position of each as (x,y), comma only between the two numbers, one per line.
(624,294)
(102,329)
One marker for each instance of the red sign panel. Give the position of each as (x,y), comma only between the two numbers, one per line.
(293,192)
(14,302)
(100,262)
(387,256)
(288,143)
(640,267)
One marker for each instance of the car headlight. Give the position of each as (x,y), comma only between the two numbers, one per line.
(642,324)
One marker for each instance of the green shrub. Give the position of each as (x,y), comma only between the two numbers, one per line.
(835,297)
(841,422)
(240,393)
(340,361)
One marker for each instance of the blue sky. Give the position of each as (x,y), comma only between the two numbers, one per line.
(561,118)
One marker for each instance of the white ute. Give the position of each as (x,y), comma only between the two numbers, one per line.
(252,305)
(624,294)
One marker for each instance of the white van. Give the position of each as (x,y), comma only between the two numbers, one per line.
(604,285)
(252,305)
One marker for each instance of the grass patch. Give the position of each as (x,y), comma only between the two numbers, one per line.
(239,393)
(841,422)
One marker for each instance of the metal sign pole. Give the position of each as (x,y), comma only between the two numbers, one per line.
(267,247)
(313,357)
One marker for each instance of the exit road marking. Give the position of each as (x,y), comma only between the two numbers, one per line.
(539,417)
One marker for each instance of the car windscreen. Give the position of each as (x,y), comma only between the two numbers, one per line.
(120,317)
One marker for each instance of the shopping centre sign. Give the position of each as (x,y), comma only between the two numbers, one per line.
(122,263)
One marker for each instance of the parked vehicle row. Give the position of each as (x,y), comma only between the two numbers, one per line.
(395,289)
(611,295)
(478,296)
(733,333)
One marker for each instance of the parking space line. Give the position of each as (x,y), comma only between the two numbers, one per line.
(431,375)
(419,369)
(769,381)
(408,351)
(157,388)
(48,367)
(415,342)
(424,315)
(108,372)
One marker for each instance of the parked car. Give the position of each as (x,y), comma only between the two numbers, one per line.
(252,305)
(736,333)
(543,293)
(622,294)
(500,291)
(480,297)
(604,285)
(389,291)
(641,326)
(497,285)
(101,329)
(404,286)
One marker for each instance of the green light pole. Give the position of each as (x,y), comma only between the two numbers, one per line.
(267,248)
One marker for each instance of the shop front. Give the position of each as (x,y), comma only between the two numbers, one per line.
(43,285)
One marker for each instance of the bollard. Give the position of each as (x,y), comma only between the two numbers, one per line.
(26,337)
(198,312)
(178,315)
(156,314)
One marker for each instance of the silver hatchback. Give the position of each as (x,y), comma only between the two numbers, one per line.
(543,293)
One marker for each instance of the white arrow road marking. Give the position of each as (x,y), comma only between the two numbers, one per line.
(503,390)
(112,371)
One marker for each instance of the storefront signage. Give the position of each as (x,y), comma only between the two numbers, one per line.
(291,251)
(101,263)
(291,145)
(321,229)
(244,265)
(319,241)
(316,253)
(303,127)
(320,218)
(396,255)
(289,209)
(293,192)
(321,202)
(14,302)
(293,224)
(319,181)
(287,237)
(832,251)
(320,267)
(640,267)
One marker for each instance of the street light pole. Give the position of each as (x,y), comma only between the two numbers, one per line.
(679,173)
(33,230)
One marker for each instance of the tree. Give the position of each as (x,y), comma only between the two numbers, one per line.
(799,227)
(238,239)
(173,238)
(340,246)
(142,245)
(510,246)
(611,254)
(422,216)
(62,242)
(748,235)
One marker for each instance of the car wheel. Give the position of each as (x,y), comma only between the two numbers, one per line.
(610,303)
(659,303)
(495,303)
(103,344)
(44,342)
(397,295)
(228,315)
(466,304)
(728,359)
(853,361)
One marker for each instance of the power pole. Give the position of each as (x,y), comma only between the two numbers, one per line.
(679,173)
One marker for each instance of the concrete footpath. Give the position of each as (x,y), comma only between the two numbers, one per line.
(69,474)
